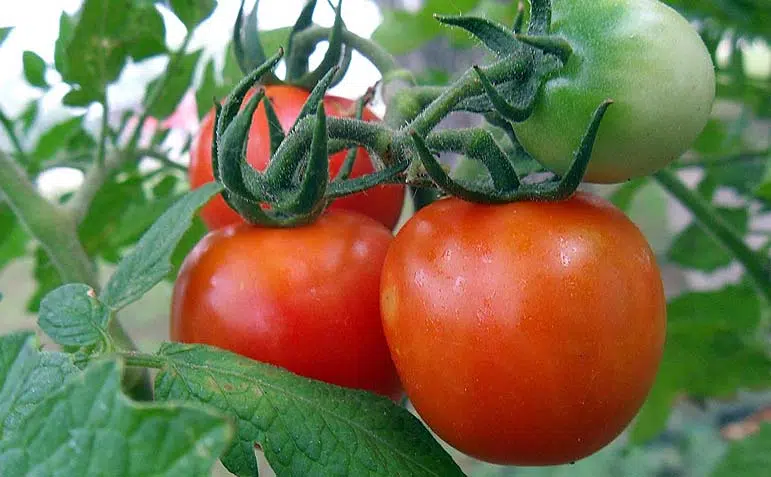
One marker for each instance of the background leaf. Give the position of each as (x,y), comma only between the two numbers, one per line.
(192,12)
(34,69)
(149,262)
(712,350)
(174,87)
(748,457)
(4,32)
(305,427)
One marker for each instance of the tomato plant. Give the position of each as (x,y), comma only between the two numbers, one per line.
(524,319)
(382,203)
(246,289)
(644,56)
(526,333)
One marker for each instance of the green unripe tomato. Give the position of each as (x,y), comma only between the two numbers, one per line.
(645,57)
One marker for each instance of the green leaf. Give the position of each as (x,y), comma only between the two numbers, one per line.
(13,239)
(177,82)
(712,350)
(80,98)
(34,69)
(106,215)
(748,457)
(626,193)
(192,12)
(695,248)
(55,138)
(72,315)
(27,376)
(28,116)
(305,427)
(764,189)
(90,428)
(92,52)
(67,25)
(421,25)
(149,262)
(4,32)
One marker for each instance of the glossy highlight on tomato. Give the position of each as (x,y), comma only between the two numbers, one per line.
(527,333)
(305,298)
(645,57)
(383,203)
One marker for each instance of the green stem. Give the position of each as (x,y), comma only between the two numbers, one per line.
(142,360)
(162,158)
(724,161)
(383,61)
(48,223)
(9,130)
(757,266)
(101,151)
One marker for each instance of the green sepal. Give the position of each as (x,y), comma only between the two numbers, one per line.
(540,17)
(551,45)
(331,58)
(341,188)
(236,97)
(281,169)
(500,104)
(442,179)
(496,37)
(317,94)
(276,132)
(519,20)
(479,145)
(247,44)
(316,176)
(235,172)
(350,158)
(215,162)
(342,68)
(297,55)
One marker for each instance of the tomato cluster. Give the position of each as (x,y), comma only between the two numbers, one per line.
(526,333)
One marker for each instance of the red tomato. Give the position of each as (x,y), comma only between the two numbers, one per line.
(527,333)
(306,298)
(383,203)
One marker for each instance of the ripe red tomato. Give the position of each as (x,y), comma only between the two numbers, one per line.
(306,298)
(527,333)
(383,203)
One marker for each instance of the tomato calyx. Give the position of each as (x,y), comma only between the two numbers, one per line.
(295,188)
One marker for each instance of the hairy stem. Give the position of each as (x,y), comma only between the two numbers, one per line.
(757,266)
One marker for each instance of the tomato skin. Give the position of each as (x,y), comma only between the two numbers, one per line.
(650,61)
(382,203)
(306,299)
(527,333)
